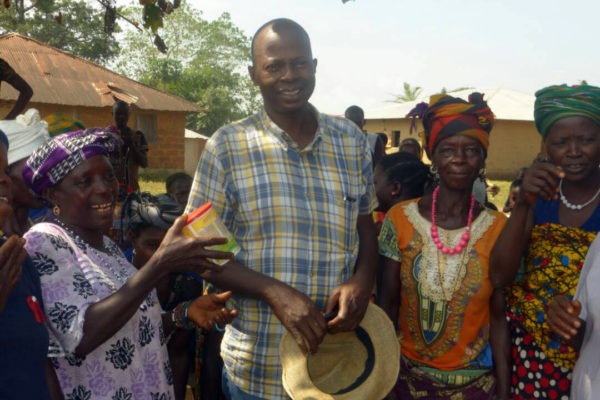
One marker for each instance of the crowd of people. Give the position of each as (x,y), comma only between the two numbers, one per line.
(103,295)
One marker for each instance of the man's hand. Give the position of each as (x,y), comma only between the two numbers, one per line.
(351,300)
(12,255)
(299,315)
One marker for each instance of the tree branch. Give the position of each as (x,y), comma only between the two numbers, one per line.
(106,3)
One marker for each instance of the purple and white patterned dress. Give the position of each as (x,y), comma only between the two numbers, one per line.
(133,364)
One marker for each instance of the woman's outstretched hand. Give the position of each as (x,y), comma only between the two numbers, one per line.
(178,252)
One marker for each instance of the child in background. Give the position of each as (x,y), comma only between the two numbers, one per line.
(513,193)
(179,185)
(412,146)
(398,177)
(148,219)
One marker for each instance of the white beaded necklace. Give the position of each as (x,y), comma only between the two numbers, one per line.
(121,276)
(572,206)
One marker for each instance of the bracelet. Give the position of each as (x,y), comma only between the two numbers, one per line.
(180,318)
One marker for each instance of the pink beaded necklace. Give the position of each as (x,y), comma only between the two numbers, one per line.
(464,240)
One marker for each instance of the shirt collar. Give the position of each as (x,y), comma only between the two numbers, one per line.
(285,140)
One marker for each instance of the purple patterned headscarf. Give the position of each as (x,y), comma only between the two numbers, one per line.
(55,159)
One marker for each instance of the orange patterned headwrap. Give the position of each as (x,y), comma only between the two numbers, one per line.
(449,116)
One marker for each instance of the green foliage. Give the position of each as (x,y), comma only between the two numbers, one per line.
(21,17)
(205,63)
(410,93)
(458,89)
(152,17)
(73,26)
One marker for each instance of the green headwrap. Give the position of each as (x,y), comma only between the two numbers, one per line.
(561,101)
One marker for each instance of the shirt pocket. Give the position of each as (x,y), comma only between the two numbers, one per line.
(337,212)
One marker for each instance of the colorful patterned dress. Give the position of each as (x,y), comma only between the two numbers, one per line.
(132,364)
(445,314)
(542,362)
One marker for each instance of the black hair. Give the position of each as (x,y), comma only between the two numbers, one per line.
(354,111)
(177,177)
(356,115)
(410,172)
(118,104)
(383,137)
(515,184)
(412,141)
(277,24)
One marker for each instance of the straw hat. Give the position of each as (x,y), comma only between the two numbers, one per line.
(362,364)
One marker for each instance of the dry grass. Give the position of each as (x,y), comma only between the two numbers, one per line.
(500,198)
(153,181)
(154,187)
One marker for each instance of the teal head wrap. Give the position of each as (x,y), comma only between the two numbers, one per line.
(561,101)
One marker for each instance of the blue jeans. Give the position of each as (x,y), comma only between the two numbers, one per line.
(233,392)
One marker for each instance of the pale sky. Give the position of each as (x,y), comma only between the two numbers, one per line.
(366,49)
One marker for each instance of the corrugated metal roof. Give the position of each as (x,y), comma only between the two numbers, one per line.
(505,103)
(190,134)
(58,77)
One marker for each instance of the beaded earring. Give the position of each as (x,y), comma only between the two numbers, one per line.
(56,211)
(434,174)
(433,169)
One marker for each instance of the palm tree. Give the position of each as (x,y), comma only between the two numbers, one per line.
(458,89)
(410,94)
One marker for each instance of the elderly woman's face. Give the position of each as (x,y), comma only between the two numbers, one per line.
(574,145)
(458,160)
(87,195)
(5,185)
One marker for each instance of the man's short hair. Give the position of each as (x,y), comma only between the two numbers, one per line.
(354,111)
(356,115)
(411,141)
(119,103)
(277,24)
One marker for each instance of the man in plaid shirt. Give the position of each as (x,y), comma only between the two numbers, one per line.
(295,188)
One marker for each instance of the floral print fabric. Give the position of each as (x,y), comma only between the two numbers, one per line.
(133,364)
(555,257)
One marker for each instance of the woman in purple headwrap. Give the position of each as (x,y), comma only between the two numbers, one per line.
(107,337)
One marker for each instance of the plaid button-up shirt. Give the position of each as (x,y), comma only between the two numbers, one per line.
(294,213)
